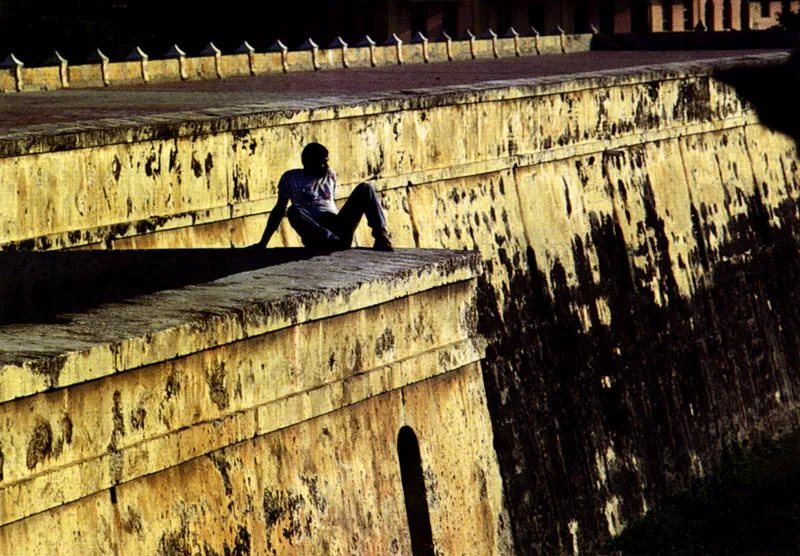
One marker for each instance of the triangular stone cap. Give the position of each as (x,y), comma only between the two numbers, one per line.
(277,46)
(419,38)
(393,40)
(366,40)
(174,52)
(55,59)
(137,54)
(11,62)
(338,42)
(97,56)
(308,44)
(244,48)
(210,50)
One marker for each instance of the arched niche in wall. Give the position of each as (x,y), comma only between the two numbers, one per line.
(419,519)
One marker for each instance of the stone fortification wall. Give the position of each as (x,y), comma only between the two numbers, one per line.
(212,64)
(255,414)
(639,230)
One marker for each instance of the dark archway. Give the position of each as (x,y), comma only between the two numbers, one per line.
(640,16)
(419,519)
(709,16)
(419,20)
(744,14)
(688,18)
(536,15)
(727,14)
(505,16)
(581,12)
(606,14)
(666,8)
(450,19)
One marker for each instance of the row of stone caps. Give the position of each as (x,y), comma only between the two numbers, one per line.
(99,71)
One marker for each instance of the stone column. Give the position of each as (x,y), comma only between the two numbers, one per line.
(677,15)
(656,9)
(736,14)
(714,22)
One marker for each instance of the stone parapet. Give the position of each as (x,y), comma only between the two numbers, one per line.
(104,73)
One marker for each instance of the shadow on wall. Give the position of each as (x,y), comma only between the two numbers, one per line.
(655,388)
(37,286)
(773,90)
(649,390)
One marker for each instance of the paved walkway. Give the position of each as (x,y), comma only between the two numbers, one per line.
(70,106)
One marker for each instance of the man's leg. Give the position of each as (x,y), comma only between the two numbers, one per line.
(363,201)
(311,230)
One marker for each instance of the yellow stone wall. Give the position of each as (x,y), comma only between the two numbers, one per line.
(290,424)
(603,207)
(120,183)
(330,485)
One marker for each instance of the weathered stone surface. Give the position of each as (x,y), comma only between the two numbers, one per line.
(332,485)
(305,344)
(181,170)
(116,337)
(329,485)
(639,232)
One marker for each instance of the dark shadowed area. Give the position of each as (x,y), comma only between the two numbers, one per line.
(751,507)
(38,286)
(773,90)
(685,377)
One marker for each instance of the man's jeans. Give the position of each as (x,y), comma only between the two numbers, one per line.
(326,230)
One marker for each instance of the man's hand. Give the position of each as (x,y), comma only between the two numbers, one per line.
(275,217)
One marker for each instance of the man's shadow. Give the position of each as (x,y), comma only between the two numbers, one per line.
(40,287)
(773,90)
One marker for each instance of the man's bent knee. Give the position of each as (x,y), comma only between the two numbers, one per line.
(365,188)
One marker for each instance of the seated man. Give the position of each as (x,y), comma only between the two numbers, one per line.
(313,213)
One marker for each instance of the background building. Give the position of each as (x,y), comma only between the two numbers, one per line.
(33,31)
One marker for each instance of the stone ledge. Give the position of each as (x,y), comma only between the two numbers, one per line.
(58,137)
(116,337)
(360,324)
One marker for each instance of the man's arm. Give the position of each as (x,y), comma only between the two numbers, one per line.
(275,217)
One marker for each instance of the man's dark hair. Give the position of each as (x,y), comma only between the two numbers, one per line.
(312,153)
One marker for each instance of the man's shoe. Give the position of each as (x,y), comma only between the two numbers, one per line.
(383,243)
